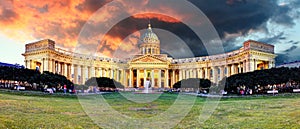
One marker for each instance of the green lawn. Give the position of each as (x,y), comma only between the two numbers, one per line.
(55,111)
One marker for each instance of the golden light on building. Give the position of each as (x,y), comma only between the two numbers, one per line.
(162,70)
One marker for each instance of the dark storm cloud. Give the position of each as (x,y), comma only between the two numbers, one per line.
(130,25)
(275,39)
(282,16)
(281,59)
(237,17)
(231,17)
(91,5)
(290,49)
(295,3)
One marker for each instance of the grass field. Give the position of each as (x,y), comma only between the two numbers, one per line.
(50,111)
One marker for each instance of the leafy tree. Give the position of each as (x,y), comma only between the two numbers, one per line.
(193,83)
(103,82)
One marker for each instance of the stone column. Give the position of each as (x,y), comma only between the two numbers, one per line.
(125,79)
(101,72)
(46,64)
(50,65)
(201,73)
(53,66)
(180,75)
(255,64)
(83,72)
(209,73)
(118,75)
(69,71)
(228,72)
(94,71)
(232,70)
(130,78)
(247,65)
(187,74)
(105,72)
(152,78)
(173,77)
(236,69)
(137,78)
(26,65)
(183,74)
(215,74)
(89,69)
(112,73)
(97,73)
(63,69)
(66,69)
(42,66)
(221,72)
(251,65)
(244,66)
(75,74)
(121,76)
(58,68)
(240,66)
(159,78)
(30,64)
(145,75)
(166,78)
(206,73)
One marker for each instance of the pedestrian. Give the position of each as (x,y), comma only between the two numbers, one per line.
(65,89)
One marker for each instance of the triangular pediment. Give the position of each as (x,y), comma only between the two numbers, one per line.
(148,59)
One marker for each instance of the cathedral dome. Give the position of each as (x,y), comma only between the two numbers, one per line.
(149,36)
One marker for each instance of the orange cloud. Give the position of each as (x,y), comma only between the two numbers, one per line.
(156,16)
(61,21)
(117,45)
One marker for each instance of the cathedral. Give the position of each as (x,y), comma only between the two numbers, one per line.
(161,70)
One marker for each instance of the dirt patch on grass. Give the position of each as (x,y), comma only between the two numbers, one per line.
(140,109)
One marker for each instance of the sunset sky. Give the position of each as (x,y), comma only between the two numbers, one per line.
(65,21)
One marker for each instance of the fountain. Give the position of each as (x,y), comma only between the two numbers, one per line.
(147,86)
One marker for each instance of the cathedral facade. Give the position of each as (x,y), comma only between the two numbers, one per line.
(161,70)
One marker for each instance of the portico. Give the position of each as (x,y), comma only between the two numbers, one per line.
(161,70)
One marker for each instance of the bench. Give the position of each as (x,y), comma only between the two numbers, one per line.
(296,90)
(272,91)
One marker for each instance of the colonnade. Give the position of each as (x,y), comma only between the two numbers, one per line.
(216,73)
(164,77)
(159,77)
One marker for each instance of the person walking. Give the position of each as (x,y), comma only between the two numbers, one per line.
(65,89)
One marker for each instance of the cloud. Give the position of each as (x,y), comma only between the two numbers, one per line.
(63,21)
(7,13)
(282,16)
(292,48)
(156,16)
(274,39)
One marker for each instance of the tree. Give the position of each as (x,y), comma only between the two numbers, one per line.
(193,83)
(103,82)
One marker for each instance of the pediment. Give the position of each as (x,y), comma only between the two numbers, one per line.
(148,59)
